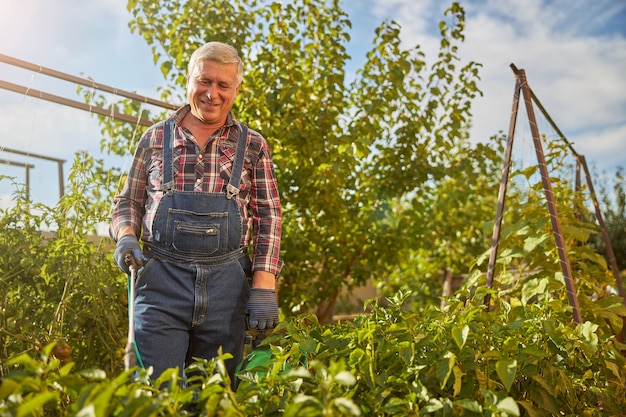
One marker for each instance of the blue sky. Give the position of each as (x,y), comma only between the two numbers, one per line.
(573,52)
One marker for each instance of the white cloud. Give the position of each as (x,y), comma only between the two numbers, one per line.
(416,16)
(573,66)
(603,147)
(577,77)
(82,38)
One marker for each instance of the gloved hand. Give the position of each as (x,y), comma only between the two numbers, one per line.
(127,253)
(262,308)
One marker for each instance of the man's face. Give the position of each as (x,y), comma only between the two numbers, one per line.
(211,90)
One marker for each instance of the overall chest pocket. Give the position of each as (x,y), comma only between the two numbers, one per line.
(197,233)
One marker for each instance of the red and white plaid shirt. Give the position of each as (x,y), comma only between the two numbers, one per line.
(205,170)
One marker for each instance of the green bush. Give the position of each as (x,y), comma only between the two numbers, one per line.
(57,277)
(523,360)
(522,356)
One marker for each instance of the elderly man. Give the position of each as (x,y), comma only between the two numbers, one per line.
(200,187)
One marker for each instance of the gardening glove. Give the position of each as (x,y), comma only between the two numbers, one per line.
(128,253)
(262,309)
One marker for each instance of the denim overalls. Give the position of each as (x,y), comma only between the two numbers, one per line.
(192,293)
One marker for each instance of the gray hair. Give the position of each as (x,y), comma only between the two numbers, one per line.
(219,52)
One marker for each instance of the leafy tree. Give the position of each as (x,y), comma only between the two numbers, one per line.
(451,221)
(355,158)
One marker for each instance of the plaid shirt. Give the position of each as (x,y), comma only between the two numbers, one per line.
(205,171)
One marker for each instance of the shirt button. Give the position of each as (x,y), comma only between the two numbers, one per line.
(199,181)
(200,157)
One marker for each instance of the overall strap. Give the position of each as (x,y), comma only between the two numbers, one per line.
(168,159)
(232,189)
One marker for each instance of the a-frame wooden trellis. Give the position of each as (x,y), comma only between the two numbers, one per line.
(521,86)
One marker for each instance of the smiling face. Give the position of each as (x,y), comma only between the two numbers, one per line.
(211,90)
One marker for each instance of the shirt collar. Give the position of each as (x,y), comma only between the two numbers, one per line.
(180,114)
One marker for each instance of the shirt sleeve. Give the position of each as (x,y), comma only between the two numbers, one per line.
(267,215)
(129,205)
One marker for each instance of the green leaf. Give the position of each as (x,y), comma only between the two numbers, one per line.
(536,351)
(308,345)
(96,374)
(458,380)
(7,387)
(66,369)
(166,67)
(32,404)
(506,370)
(531,409)
(459,334)
(432,406)
(609,365)
(587,332)
(534,287)
(546,400)
(468,404)
(444,368)
(356,356)
(508,406)
(303,405)
(88,411)
(347,406)
(345,378)
(395,406)
(531,243)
